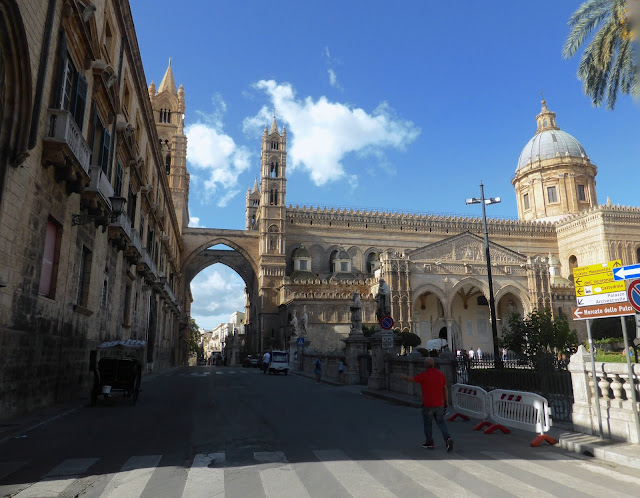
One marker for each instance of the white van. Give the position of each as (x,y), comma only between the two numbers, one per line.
(279,362)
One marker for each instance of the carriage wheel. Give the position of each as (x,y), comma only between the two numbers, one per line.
(136,388)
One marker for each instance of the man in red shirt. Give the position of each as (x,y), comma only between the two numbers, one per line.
(435,399)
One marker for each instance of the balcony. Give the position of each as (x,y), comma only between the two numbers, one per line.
(134,250)
(120,231)
(65,148)
(96,194)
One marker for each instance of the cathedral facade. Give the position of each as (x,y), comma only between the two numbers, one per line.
(312,259)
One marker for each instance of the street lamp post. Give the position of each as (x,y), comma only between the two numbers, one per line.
(492,305)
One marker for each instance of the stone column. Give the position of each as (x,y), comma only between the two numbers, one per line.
(450,335)
(581,416)
(357,345)
(376,379)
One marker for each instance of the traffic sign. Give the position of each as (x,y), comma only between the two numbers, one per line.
(583,271)
(386,322)
(633,294)
(300,340)
(626,272)
(611,297)
(602,311)
(387,339)
(590,290)
(597,279)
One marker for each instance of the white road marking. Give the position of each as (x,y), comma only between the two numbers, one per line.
(421,474)
(132,478)
(58,479)
(203,481)
(618,476)
(357,481)
(549,474)
(280,482)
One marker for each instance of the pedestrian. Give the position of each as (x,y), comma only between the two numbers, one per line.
(471,353)
(435,400)
(266,359)
(504,354)
(479,353)
(341,371)
(317,369)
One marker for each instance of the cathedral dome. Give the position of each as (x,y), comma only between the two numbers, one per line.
(549,144)
(301,252)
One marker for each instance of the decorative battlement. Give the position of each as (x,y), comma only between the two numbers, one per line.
(611,213)
(394,221)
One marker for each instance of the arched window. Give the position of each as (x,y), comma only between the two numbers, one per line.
(638,255)
(573,263)
(273,197)
(372,262)
(272,239)
(273,172)
(168,162)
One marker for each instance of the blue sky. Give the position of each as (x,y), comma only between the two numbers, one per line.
(401,106)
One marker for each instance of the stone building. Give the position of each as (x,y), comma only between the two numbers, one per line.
(90,169)
(311,259)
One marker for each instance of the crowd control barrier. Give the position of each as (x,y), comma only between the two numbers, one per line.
(470,401)
(520,410)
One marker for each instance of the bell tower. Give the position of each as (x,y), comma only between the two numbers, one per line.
(168,109)
(271,221)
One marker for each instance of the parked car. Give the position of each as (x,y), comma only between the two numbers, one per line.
(252,360)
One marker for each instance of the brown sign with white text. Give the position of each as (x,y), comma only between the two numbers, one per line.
(602,311)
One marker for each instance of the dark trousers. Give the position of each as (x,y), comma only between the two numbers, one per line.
(434,412)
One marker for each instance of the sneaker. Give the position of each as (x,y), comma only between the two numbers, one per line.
(449,445)
(429,446)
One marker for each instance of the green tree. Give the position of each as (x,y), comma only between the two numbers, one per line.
(368,330)
(539,337)
(194,338)
(408,340)
(607,65)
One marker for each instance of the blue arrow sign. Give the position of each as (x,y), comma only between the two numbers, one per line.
(300,340)
(626,272)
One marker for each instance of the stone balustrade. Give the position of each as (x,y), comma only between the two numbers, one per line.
(614,391)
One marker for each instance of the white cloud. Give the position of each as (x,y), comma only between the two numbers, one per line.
(194,222)
(215,152)
(333,79)
(323,133)
(217,292)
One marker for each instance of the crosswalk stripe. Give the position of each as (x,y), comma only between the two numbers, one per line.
(219,373)
(133,477)
(58,479)
(618,476)
(499,479)
(280,482)
(547,473)
(204,481)
(357,481)
(424,476)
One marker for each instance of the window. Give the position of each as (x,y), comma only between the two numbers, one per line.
(108,41)
(100,144)
(127,305)
(117,186)
(165,116)
(525,199)
(104,296)
(73,91)
(344,266)
(303,265)
(126,99)
(552,194)
(131,207)
(582,195)
(168,162)
(274,170)
(85,277)
(50,259)
(273,197)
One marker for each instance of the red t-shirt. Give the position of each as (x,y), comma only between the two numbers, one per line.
(432,382)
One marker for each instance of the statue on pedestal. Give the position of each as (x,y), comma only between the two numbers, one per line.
(303,321)
(294,323)
(383,300)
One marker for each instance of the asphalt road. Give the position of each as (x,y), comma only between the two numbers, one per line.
(235,432)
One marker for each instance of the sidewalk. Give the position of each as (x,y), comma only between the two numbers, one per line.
(620,453)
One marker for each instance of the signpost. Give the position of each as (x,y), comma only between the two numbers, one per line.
(633,294)
(626,272)
(300,340)
(386,322)
(611,297)
(603,288)
(602,311)
(583,271)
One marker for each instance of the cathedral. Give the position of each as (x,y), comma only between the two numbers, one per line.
(312,259)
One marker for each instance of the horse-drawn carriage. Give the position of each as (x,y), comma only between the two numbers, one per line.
(117,367)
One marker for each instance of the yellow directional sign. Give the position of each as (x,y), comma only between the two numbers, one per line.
(591,290)
(583,271)
(597,279)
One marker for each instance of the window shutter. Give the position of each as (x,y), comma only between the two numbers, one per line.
(60,71)
(104,156)
(81,100)
(47,260)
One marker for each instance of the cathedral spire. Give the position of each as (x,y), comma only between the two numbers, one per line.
(168,82)
(546,119)
(274,126)
(255,186)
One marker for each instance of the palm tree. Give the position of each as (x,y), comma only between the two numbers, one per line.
(607,65)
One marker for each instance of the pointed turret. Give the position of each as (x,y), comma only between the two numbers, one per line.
(168,82)
(255,186)
(274,125)
(546,119)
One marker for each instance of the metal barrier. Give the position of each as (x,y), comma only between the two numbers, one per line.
(470,401)
(520,410)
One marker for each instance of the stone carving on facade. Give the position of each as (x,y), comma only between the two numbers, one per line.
(356,314)
(294,323)
(304,319)
(383,300)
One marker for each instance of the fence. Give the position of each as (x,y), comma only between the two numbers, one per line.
(553,382)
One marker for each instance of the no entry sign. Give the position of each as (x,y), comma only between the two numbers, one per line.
(633,294)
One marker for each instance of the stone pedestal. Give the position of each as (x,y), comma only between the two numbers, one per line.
(377,379)
(357,345)
(235,352)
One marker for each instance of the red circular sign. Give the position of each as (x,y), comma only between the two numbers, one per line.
(386,322)
(633,294)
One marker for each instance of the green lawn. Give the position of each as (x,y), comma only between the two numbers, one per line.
(609,357)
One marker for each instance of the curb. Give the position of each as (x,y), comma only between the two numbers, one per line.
(585,444)
(392,399)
